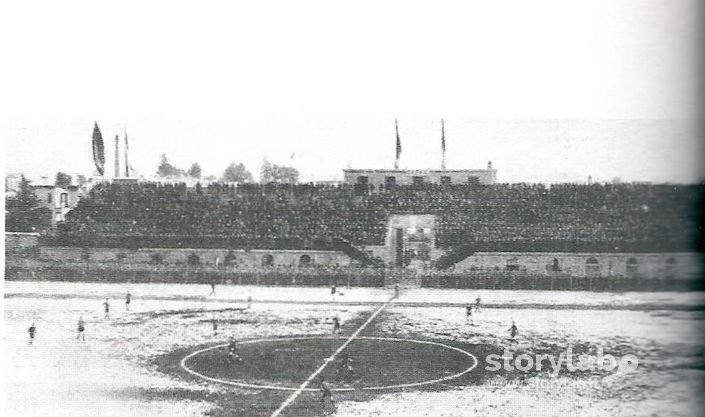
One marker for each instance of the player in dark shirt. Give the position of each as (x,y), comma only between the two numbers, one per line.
(513,331)
(336,325)
(106,305)
(345,367)
(325,392)
(128,300)
(81,329)
(32,330)
(468,314)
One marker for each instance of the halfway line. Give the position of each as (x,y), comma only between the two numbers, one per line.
(303,386)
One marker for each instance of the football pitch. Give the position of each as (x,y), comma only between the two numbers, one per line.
(415,355)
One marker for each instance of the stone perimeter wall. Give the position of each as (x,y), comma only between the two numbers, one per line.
(244,259)
(686,266)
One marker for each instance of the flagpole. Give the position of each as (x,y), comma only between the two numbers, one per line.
(117,156)
(127,164)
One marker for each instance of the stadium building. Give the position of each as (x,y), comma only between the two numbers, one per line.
(449,227)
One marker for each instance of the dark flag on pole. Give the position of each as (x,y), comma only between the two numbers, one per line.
(396,160)
(443,145)
(98,150)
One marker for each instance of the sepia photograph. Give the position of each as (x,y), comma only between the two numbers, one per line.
(389,208)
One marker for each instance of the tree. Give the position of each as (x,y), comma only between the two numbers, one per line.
(194,171)
(63,180)
(236,173)
(270,172)
(167,170)
(81,180)
(24,212)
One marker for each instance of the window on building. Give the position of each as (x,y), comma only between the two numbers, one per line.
(390,181)
(362,187)
(230,258)
(64,200)
(418,180)
(670,269)
(267,260)
(512,264)
(156,258)
(49,197)
(473,180)
(305,260)
(632,267)
(555,266)
(193,259)
(445,180)
(592,267)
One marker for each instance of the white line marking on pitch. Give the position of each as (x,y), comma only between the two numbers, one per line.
(380,388)
(320,369)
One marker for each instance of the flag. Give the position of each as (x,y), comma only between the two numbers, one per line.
(98,150)
(443,145)
(443,138)
(396,161)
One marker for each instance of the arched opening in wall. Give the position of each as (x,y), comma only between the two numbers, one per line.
(156,259)
(267,260)
(670,269)
(230,259)
(305,260)
(632,267)
(193,259)
(555,266)
(512,264)
(592,267)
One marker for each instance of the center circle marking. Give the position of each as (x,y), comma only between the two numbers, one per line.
(184,364)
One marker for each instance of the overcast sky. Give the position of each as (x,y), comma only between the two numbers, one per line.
(548,90)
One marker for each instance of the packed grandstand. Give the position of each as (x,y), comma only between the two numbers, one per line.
(625,217)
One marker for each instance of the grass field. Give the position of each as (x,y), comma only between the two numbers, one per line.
(130,363)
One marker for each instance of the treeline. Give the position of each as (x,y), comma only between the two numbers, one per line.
(234,172)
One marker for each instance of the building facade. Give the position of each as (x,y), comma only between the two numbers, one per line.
(58,200)
(392,177)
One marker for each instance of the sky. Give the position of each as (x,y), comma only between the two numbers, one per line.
(549,91)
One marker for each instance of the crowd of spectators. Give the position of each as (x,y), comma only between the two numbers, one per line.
(500,217)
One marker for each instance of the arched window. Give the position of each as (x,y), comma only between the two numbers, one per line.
(671,267)
(267,260)
(592,267)
(194,259)
(305,260)
(555,266)
(632,267)
(156,258)
(512,264)
(230,259)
